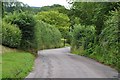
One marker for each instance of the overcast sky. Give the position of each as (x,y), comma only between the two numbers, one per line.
(40,3)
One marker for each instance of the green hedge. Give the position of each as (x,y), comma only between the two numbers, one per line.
(82,38)
(108,43)
(26,22)
(46,36)
(11,35)
(106,50)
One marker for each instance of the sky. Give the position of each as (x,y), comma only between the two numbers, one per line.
(40,3)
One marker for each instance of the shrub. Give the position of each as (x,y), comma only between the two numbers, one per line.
(60,20)
(68,37)
(106,50)
(11,35)
(109,41)
(83,36)
(0,32)
(26,23)
(46,36)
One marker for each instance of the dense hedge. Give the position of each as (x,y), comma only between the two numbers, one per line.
(0,32)
(26,23)
(35,34)
(60,20)
(11,35)
(46,36)
(82,38)
(106,50)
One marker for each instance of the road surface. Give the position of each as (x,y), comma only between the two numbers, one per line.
(60,63)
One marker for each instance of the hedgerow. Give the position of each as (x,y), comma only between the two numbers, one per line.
(26,23)
(46,36)
(82,38)
(106,50)
(11,35)
(108,43)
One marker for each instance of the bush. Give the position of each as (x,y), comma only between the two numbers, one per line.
(11,35)
(82,37)
(106,50)
(109,41)
(0,32)
(26,23)
(46,36)
(68,37)
(60,20)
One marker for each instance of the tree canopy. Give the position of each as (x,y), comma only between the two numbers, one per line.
(60,20)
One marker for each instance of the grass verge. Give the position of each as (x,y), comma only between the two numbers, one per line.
(16,64)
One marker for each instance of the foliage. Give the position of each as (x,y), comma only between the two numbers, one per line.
(83,36)
(16,64)
(107,48)
(90,13)
(55,7)
(10,6)
(104,46)
(68,38)
(47,36)
(60,20)
(35,10)
(11,35)
(0,31)
(91,28)
(109,41)
(26,23)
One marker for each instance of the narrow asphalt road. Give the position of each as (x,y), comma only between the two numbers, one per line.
(60,63)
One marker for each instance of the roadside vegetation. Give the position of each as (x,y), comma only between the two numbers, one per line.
(46,36)
(97,35)
(26,34)
(91,29)
(16,63)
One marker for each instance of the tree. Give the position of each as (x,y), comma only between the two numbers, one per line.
(91,13)
(46,36)
(60,20)
(11,35)
(14,6)
(104,46)
(109,39)
(26,23)
(55,7)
